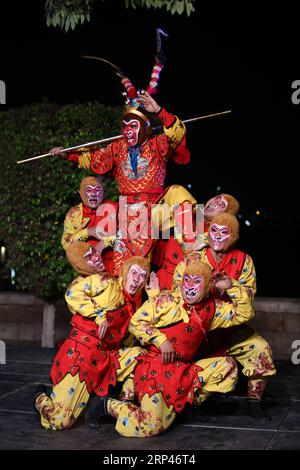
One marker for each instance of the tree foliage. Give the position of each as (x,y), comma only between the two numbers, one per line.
(70,13)
(36,195)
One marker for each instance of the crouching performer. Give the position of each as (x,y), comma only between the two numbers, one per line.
(243,343)
(92,358)
(166,378)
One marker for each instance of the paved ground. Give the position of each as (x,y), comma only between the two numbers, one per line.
(229,428)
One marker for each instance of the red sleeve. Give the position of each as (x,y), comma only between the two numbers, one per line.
(181,154)
(73,157)
(166,118)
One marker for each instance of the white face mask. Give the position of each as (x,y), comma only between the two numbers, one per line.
(93,258)
(218,237)
(192,288)
(135,279)
(215,206)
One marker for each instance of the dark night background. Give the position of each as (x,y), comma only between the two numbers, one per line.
(220,58)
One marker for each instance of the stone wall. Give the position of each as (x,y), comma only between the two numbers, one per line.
(278,321)
(22,320)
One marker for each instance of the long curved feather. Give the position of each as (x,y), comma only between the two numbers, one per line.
(117,69)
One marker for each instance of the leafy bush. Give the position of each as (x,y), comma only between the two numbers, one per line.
(36,196)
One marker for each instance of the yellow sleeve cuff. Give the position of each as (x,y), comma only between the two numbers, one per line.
(108,241)
(82,235)
(85,160)
(100,320)
(159,340)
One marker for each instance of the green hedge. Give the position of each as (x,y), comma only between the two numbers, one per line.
(36,196)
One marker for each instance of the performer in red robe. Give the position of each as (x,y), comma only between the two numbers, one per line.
(243,343)
(91,358)
(138,161)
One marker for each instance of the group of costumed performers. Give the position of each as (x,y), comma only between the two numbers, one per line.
(142,344)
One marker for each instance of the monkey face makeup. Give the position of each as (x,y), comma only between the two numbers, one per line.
(219,237)
(192,288)
(136,279)
(84,258)
(196,282)
(134,129)
(214,206)
(91,192)
(223,232)
(94,195)
(130,131)
(93,258)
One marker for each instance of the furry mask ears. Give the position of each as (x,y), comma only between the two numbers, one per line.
(233,205)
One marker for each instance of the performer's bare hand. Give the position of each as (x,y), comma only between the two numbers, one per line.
(148,102)
(103,329)
(167,352)
(223,283)
(58,151)
(153,282)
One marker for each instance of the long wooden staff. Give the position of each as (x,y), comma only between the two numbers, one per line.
(110,139)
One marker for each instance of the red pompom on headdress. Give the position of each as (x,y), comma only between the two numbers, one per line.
(131,94)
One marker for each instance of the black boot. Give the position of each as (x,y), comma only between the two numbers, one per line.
(96,409)
(256,411)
